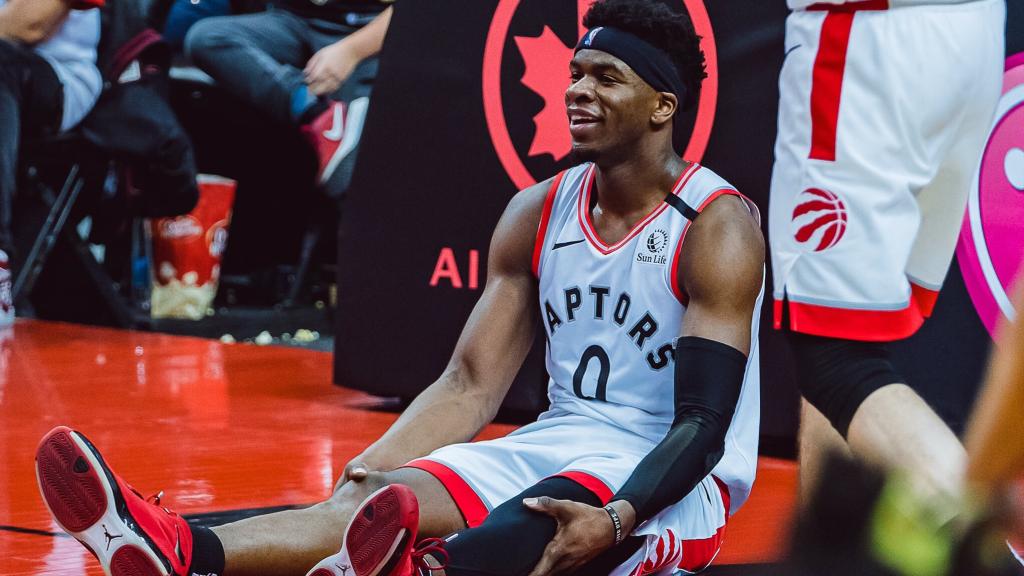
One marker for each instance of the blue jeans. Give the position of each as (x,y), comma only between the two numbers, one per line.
(259,58)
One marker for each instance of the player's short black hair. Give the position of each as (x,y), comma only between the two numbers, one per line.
(668,30)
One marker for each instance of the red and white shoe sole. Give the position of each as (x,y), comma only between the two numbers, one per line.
(377,537)
(82,495)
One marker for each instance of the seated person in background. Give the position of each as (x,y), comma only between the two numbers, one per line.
(48,82)
(290,62)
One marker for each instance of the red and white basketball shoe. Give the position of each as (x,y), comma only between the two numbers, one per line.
(129,535)
(333,135)
(379,540)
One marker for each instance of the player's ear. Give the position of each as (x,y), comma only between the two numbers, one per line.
(665,108)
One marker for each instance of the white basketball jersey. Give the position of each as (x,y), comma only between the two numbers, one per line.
(611,314)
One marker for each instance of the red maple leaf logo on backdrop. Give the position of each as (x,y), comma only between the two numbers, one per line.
(547,71)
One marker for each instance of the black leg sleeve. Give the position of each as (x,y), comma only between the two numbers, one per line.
(512,539)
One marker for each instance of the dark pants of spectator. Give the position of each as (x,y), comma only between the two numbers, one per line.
(259,58)
(31,106)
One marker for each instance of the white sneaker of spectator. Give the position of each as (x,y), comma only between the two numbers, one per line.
(6,292)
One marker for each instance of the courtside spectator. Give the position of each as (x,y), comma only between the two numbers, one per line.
(48,82)
(290,62)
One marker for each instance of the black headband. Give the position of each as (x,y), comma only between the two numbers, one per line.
(651,64)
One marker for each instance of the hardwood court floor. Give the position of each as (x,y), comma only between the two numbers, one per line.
(223,430)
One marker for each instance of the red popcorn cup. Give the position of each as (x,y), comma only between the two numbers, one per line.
(187,252)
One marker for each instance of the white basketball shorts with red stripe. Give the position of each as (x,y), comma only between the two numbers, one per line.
(483,475)
(882,120)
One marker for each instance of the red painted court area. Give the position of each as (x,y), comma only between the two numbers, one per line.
(219,428)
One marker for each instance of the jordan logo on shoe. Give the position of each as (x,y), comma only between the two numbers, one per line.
(338,128)
(344,569)
(110,537)
(81,466)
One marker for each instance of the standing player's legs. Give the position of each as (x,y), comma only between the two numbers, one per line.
(845,219)
(818,440)
(895,427)
(887,426)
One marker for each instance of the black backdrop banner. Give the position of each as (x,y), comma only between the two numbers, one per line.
(468,109)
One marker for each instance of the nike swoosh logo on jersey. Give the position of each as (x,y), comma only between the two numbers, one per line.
(338,128)
(564,244)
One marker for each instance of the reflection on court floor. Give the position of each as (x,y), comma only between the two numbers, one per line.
(224,430)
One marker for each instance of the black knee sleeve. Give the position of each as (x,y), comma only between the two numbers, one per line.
(512,539)
(836,376)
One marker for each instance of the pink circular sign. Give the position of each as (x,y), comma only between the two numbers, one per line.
(991,246)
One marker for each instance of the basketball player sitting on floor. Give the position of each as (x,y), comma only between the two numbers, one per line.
(645,271)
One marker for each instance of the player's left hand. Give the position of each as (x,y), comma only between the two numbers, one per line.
(329,67)
(583,533)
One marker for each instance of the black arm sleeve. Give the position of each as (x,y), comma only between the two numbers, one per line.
(708,379)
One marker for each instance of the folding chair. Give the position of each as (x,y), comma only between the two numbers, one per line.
(71,156)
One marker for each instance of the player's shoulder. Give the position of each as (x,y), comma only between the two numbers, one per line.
(721,202)
(708,179)
(728,228)
(515,238)
(528,204)
(532,196)
(724,246)
(729,217)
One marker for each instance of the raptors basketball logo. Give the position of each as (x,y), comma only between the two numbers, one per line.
(819,219)
(526,72)
(991,244)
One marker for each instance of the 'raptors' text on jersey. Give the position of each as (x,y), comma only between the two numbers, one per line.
(612,312)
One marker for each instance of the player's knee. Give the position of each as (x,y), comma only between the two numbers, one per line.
(352,493)
(836,376)
(485,549)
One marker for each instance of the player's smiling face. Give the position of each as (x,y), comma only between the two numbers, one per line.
(608,105)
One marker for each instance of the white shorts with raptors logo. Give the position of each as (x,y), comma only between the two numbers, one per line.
(483,475)
(882,120)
